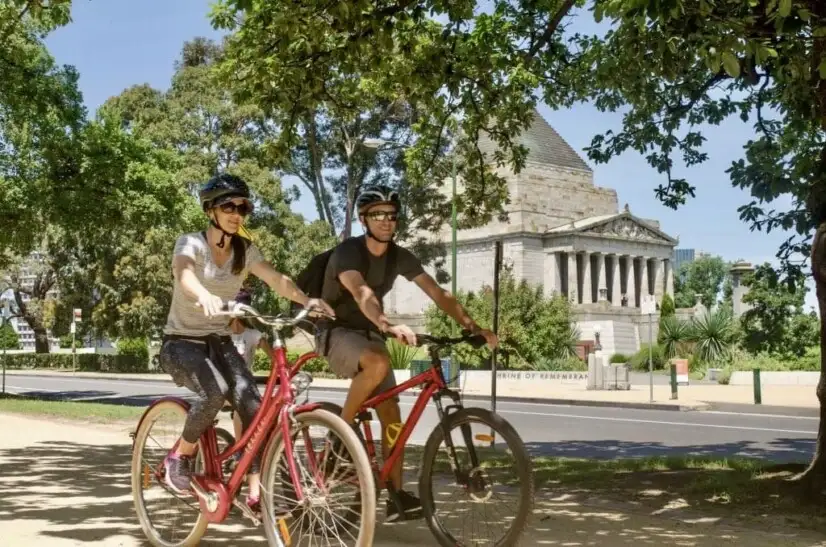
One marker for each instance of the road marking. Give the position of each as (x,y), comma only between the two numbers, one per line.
(659,422)
(783,416)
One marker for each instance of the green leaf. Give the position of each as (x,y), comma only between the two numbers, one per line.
(785,8)
(731,64)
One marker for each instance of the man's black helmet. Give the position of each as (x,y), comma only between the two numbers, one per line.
(221,188)
(377,194)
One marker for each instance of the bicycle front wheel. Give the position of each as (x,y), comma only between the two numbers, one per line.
(468,476)
(333,473)
(168,519)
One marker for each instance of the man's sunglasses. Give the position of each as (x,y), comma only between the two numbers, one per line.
(392,216)
(243,208)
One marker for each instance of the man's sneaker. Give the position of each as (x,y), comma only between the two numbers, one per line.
(178,472)
(411,506)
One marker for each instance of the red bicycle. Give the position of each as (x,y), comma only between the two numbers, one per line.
(292,492)
(459,456)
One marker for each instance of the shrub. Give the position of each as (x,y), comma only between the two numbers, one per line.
(86,362)
(561,363)
(619,358)
(713,335)
(674,337)
(137,347)
(639,361)
(531,326)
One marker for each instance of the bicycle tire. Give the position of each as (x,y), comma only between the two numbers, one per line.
(367,489)
(199,529)
(523,464)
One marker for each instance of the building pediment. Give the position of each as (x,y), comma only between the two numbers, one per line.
(623,226)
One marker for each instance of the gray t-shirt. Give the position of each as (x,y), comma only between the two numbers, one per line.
(184,317)
(348,256)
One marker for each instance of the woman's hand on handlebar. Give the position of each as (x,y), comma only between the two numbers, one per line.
(317,304)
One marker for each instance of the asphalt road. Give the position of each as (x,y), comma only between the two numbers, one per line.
(576,431)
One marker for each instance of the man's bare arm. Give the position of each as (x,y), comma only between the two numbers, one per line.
(446,301)
(366,299)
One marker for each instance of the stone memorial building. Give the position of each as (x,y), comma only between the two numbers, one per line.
(568,234)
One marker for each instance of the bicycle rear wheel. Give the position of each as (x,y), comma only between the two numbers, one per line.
(179,522)
(474,480)
(290,522)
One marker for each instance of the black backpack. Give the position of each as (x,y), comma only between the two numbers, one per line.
(311,278)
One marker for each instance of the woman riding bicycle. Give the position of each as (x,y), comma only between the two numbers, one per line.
(209,268)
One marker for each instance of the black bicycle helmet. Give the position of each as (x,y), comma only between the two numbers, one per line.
(222,188)
(377,194)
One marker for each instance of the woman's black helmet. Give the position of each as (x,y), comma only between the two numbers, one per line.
(221,188)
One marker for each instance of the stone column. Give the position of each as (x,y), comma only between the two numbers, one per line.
(573,275)
(643,288)
(553,274)
(630,282)
(601,276)
(586,279)
(616,282)
(668,273)
(659,286)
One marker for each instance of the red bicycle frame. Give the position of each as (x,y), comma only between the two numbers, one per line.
(275,406)
(432,379)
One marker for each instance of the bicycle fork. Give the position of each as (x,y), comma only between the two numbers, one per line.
(462,477)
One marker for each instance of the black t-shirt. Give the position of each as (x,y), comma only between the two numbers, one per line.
(348,256)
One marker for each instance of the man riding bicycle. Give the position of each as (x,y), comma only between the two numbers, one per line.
(354,343)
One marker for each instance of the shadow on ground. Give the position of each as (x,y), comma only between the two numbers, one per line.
(779,450)
(64,493)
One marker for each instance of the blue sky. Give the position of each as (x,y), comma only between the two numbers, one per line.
(118,43)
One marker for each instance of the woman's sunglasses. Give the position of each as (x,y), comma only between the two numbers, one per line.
(243,208)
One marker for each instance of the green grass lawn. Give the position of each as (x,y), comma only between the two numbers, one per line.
(90,412)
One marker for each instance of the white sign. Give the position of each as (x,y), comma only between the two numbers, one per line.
(72,327)
(76,315)
(648,305)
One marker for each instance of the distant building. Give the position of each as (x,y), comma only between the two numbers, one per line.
(680,256)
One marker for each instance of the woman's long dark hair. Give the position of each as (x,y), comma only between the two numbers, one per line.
(239,253)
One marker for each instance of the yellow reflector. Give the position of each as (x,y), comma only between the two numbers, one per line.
(146,475)
(484,438)
(285,532)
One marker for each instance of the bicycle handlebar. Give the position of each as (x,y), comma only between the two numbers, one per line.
(237,310)
(475,340)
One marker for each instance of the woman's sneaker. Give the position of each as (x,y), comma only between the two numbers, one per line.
(178,472)
(411,507)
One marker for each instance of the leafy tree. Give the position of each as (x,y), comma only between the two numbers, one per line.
(8,338)
(704,276)
(775,322)
(532,327)
(698,63)
(477,71)
(41,111)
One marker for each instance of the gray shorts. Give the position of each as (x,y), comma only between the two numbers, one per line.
(343,347)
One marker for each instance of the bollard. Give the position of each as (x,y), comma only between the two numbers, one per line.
(758,396)
(673,381)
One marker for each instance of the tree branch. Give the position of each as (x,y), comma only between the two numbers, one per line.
(553,25)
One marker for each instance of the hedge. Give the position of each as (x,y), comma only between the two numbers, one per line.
(86,362)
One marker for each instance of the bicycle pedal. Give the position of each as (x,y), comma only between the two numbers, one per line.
(244,508)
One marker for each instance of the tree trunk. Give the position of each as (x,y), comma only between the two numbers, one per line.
(813,480)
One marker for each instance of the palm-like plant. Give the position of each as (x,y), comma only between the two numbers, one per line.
(674,337)
(713,334)
(400,354)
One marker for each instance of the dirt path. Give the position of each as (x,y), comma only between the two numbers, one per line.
(64,484)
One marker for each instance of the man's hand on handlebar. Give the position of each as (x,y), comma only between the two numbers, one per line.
(402,333)
(490,337)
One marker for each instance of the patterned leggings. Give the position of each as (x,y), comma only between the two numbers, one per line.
(213,380)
